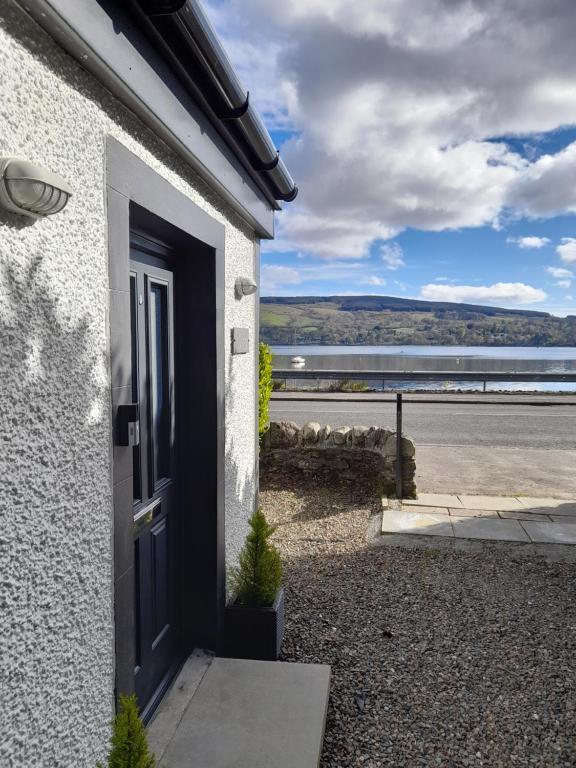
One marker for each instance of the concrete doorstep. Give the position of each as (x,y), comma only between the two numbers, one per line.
(489,518)
(243,714)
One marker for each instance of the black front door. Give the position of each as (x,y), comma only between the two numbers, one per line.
(155,488)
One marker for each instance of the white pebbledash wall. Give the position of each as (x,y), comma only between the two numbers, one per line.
(56,601)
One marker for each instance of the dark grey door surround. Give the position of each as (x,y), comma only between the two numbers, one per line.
(138,198)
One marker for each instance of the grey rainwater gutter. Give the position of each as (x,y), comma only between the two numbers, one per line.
(182,31)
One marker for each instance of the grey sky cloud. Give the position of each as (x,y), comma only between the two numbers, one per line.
(396,106)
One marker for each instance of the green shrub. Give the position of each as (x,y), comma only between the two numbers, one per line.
(129,741)
(352,386)
(264,387)
(257,578)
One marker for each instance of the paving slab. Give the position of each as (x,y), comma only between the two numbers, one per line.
(491,502)
(472,512)
(526,515)
(436,500)
(423,523)
(564,510)
(539,501)
(560,519)
(567,511)
(428,510)
(559,506)
(551,533)
(253,714)
(489,528)
(163,726)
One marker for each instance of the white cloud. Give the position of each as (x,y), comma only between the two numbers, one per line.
(529,241)
(375,280)
(559,272)
(328,237)
(563,283)
(567,249)
(274,277)
(395,107)
(547,187)
(392,255)
(514,293)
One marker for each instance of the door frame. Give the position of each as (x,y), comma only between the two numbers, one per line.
(139,198)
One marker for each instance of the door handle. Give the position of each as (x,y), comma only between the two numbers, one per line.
(128,425)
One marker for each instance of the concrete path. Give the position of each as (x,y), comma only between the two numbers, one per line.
(499,471)
(525,519)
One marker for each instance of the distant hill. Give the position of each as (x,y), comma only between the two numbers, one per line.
(393,320)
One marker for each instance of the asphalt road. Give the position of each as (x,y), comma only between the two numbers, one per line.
(498,425)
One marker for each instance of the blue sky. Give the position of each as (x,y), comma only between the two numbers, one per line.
(433,144)
(518,250)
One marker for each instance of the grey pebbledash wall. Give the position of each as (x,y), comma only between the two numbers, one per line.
(56,553)
(354,454)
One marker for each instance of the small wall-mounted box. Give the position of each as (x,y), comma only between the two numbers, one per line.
(240,341)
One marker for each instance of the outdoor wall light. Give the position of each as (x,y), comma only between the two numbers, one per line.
(30,190)
(245,286)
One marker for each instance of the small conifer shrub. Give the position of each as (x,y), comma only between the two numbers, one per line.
(129,741)
(256,579)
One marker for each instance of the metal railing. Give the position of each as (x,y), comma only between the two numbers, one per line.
(388,377)
(301,374)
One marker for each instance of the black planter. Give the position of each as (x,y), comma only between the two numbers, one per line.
(254,633)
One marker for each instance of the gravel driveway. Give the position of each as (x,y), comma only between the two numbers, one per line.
(438,658)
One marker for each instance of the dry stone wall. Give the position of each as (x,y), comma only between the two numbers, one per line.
(354,454)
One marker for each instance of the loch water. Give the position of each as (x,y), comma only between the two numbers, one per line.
(436,358)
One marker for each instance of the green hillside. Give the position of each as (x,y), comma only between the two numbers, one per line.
(391,320)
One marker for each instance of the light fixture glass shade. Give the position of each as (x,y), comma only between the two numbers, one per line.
(31,190)
(245,286)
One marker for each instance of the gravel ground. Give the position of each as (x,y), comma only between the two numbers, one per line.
(438,658)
